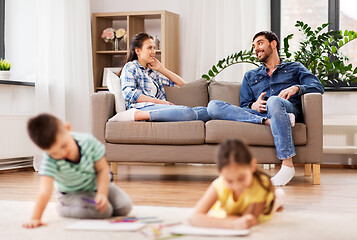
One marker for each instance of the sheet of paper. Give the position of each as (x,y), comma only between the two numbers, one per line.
(104,225)
(191,230)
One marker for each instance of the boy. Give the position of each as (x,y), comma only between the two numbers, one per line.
(76,164)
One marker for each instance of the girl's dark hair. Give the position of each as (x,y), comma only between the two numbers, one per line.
(234,150)
(136,42)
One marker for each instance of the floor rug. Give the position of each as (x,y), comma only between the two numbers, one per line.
(288,224)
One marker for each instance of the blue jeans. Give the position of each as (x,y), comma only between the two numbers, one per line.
(174,113)
(277,111)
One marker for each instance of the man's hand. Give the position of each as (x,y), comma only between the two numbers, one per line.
(290,91)
(260,105)
(34,223)
(101,201)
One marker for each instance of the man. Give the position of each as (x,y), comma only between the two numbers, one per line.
(271,95)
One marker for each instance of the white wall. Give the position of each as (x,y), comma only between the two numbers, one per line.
(223,36)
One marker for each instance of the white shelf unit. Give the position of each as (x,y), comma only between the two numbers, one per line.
(348,123)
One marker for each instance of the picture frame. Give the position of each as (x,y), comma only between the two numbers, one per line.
(114,70)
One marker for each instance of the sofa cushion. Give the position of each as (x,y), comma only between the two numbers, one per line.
(224,91)
(192,94)
(190,132)
(218,131)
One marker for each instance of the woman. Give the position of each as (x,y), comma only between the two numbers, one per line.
(142,79)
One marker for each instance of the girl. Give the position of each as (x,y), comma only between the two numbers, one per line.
(241,196)
(142,80)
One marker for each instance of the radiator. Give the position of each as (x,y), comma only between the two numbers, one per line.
(14,140)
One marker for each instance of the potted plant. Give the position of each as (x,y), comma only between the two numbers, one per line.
(319,52)
(4,69)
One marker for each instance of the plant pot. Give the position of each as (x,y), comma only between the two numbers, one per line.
(4,75)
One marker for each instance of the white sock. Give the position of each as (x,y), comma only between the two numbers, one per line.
(292,119)
(284,176)
(126,116)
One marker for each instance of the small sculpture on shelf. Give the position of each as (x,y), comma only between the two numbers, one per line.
(110,35)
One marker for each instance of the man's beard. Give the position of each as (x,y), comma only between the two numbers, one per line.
(267,53)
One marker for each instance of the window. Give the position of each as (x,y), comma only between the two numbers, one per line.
(315,13)
(348,20)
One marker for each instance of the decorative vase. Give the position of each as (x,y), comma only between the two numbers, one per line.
(116,44)
(4,75)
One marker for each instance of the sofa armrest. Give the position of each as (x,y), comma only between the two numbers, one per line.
(102,106)
(313,118)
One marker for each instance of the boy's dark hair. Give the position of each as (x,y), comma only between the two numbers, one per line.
(43,130)
(270,36)
(234,150)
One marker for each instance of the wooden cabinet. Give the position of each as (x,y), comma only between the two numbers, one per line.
(163,24)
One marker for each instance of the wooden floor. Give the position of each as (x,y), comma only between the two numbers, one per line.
(183,185)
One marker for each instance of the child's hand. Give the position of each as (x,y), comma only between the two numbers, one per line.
(34,223)
(246,221)
(101,201)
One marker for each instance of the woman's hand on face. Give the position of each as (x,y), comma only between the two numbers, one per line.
(155,65)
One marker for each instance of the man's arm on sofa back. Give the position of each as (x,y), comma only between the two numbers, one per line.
(102,105)
(312,111)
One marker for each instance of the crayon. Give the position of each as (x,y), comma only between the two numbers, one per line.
(88,200)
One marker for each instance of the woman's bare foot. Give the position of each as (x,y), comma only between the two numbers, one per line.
(141,115)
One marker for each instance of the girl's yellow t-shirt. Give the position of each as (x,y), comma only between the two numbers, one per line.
(226,205)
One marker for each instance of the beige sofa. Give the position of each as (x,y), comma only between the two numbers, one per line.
(196,141)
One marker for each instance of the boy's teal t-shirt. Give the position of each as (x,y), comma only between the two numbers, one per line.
(75,177)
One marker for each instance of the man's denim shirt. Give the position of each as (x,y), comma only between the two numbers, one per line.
(286,74)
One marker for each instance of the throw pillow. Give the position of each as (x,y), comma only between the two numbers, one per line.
(224,91)
(192,94)
(114,86)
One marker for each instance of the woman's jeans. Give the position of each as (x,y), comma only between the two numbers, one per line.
(174,113)
(277,111)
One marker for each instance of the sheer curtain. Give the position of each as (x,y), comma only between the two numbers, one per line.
(214,29)
(64,65)
(64,61)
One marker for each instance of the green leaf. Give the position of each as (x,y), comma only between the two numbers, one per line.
(325,25)
(346,40)
(355,71)
(214,69)
(349,67)
(340,44)
(211,73)
(205,76)
(334,49)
